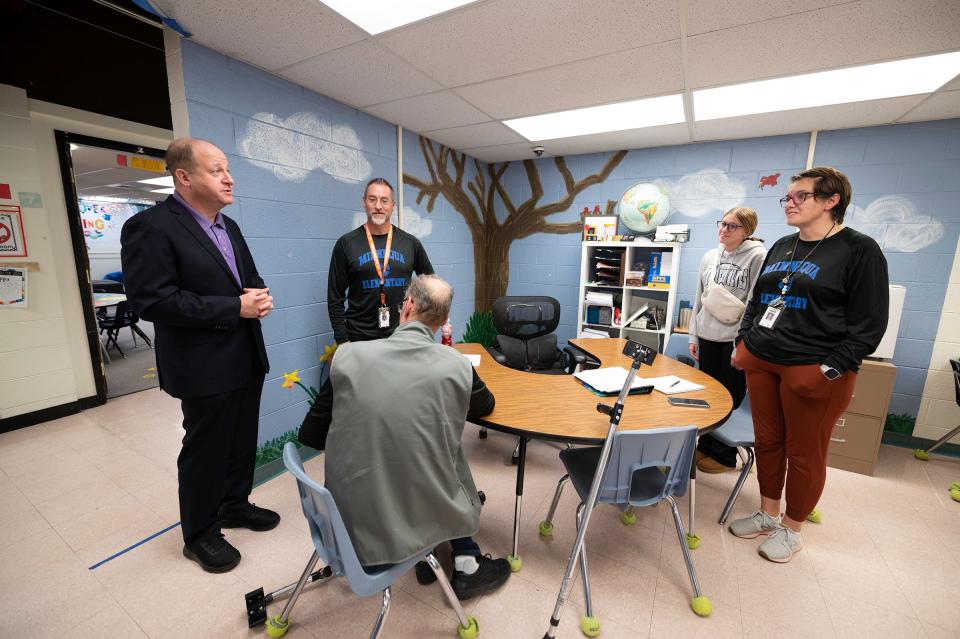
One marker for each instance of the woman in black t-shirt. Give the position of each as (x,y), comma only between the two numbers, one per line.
(818,308)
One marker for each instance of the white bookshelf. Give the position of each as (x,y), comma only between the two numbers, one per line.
(627,299)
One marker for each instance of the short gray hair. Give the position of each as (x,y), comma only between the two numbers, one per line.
(432,298)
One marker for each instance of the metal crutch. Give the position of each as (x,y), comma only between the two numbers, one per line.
(639,354)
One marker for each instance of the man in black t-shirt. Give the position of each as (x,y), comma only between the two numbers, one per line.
(370,268)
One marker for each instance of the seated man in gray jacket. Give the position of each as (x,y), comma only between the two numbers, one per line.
(394,462)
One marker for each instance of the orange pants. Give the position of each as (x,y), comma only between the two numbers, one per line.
(794,410)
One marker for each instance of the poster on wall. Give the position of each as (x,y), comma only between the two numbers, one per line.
(12,241)
(13,287)
(102,221)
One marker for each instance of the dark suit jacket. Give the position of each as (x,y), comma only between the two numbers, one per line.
(176,277)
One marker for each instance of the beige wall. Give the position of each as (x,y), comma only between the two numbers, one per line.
(939,413)
(44,357)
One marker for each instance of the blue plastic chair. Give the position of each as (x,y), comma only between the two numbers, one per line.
(737,431)
(333,545)
(677,348)
(645,467)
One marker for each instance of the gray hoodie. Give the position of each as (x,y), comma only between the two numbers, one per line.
(738,272)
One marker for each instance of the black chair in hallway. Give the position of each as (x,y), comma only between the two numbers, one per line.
(123,317)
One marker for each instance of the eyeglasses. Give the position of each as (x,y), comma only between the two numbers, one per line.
(727,225)
(798,198)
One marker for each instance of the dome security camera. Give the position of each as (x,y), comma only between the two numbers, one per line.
(538,150)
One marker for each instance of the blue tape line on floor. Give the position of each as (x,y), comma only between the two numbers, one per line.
(129,548)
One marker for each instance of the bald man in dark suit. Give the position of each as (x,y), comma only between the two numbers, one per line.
(188,270)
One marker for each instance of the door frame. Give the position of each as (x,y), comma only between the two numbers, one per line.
(80,256)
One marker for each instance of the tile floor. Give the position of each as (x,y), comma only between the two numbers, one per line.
(884,562)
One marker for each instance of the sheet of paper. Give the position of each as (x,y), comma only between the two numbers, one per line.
(474,359)
(607,380)
(671,384)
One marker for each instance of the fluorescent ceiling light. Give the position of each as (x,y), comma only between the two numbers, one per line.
(637,114)
(166,180)
(105,198)
(840,86)
(167,191)
(377,16)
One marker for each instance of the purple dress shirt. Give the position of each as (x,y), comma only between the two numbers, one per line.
(217,233)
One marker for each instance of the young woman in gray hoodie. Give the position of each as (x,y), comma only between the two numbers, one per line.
(735,266)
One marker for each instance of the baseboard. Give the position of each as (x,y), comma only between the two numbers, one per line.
(275,468)
(909,441)
(40,416)
(91,402)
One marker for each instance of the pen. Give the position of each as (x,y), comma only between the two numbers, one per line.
(674,384)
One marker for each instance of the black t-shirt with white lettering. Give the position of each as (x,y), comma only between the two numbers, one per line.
(353,278)
(835,309)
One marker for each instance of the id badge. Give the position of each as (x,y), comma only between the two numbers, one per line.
(770,316)
(384,317)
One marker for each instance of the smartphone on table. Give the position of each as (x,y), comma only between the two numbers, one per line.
(688,403)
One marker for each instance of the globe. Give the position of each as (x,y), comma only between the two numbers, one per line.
(643,207)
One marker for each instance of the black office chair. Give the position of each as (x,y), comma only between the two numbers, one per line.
(924,455)
(525,336)
(123,318)
(526,340)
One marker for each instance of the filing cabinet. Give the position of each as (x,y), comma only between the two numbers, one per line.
(856,435)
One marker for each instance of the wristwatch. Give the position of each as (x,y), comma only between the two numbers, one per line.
(829,372)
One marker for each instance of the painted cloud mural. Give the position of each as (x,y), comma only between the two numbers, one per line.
(292,147)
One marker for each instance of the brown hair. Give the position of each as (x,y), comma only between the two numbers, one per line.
(827,181)
(748,219)
(180,155)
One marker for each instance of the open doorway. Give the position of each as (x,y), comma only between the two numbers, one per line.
(106,183)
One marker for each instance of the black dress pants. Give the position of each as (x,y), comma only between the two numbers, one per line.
(216,464)
(715,362)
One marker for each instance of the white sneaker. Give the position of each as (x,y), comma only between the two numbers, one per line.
(781,545)
(759,523)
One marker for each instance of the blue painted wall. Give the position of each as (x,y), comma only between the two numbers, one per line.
(443,231)
(703,180)
(905,181)
(300,161)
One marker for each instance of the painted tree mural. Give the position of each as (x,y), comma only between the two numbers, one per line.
(476,201)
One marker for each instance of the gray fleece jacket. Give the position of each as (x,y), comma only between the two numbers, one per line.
(737,271)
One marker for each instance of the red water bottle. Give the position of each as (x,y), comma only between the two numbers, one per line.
(446,333)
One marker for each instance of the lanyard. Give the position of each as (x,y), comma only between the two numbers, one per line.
(376,260)
(788,278)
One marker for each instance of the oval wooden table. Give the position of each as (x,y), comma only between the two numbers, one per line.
(559,408)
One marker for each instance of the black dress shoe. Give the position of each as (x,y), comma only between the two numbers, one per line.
(212,552)
(250,516)
(491,574)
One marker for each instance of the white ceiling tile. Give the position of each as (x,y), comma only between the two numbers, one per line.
(849,34)
(360,74)
(839,116)
(270,34)
(442,110)
(504,37)
(483,134)
(939,106)
(625,75)
(703,16)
